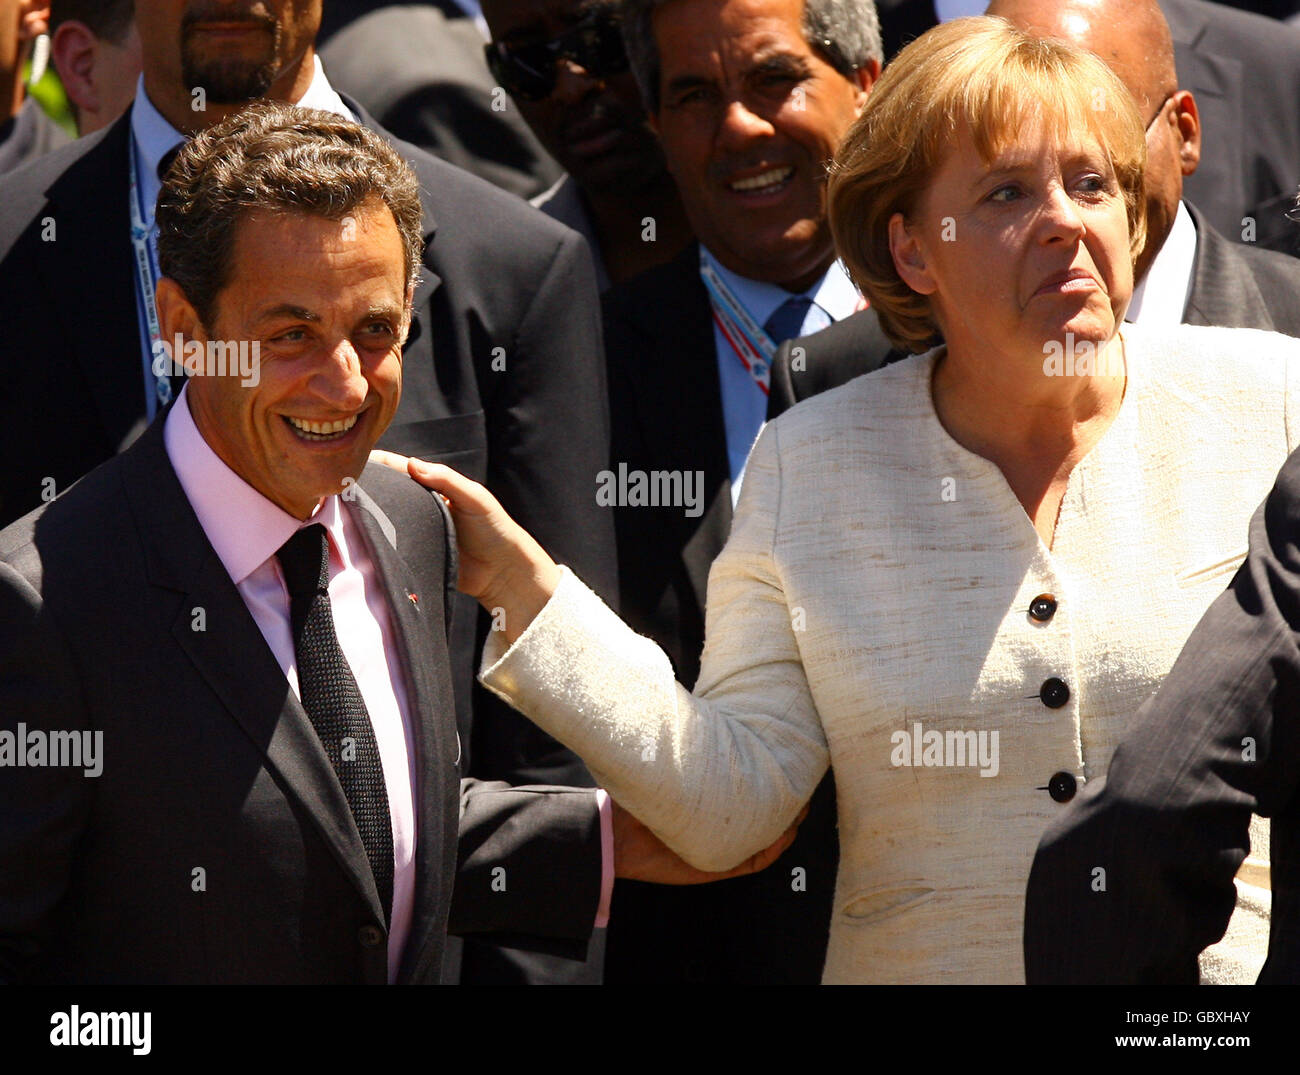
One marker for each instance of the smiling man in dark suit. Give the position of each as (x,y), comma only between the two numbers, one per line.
(278,797)
(243,630)
(503,374)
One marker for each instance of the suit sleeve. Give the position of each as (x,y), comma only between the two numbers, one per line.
(549,433)
(1136,877)
(46,807)
(548,430)
(528,866)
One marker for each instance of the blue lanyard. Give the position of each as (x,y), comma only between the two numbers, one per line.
(147,274)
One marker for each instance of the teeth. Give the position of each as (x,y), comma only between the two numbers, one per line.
(766,179)
(323,429)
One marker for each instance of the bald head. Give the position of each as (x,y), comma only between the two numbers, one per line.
(1133,38)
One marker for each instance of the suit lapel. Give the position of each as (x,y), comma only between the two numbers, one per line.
(88,206)
(1223,290)
(232,657)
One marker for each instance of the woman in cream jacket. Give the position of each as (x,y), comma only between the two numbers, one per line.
(953,580)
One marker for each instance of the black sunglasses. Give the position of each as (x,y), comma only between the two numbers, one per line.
(528,71)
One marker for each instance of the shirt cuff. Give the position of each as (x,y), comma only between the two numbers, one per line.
(603,804)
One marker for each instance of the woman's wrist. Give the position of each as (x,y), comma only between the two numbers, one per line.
(517,598)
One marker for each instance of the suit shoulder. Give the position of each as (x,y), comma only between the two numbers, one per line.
(1269,264)
(1239,33)
(24,192)
(78,529)
(477,213)
(882,401)
(656,293)
(856,337)
(415,511)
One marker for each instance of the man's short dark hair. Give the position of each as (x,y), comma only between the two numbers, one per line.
(277,158)
(845,33)
(108,20)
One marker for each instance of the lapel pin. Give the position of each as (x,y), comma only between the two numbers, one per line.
(415,600)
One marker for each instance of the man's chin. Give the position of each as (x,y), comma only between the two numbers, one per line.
(230,82)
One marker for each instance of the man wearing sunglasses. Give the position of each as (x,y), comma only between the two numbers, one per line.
(564,65)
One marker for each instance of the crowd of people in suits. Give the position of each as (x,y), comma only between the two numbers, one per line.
(358,732)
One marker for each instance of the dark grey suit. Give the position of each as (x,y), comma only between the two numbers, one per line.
(28,135)
(210,762)
(1168,825)
(1244,71)
(1233,285)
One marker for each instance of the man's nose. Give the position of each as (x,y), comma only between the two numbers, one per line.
(740,126)
(341,381)
(573,81)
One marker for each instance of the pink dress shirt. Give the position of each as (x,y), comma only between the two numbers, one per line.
(246,530)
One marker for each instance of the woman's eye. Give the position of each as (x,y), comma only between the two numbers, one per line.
(1005,194)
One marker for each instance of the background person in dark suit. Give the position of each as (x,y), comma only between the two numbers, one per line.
(26,132)
(1187,271)
(748,111)
(1136,876)
(253,624)
(96,51)
(566,70)
(419,70)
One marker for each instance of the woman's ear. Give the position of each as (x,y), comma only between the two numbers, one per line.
(909,257)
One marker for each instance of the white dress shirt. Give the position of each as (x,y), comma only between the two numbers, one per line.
(246,530)
(744,404)
(1160,298)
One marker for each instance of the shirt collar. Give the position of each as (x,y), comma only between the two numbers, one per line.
(956,9)
(244,527)
(1161,296)
(834,292)
(155,137)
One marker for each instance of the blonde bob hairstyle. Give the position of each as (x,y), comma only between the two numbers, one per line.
(978,75)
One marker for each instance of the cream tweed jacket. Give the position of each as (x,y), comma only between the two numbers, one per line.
(879,576)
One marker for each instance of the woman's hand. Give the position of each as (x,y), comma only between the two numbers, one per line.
(500,563)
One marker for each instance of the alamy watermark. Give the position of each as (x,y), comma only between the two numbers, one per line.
(1080,358)
(653,489)
(949,749)
(212,358)
(35,748)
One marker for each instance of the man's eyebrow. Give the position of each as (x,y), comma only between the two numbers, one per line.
(287,309)
(778,60)
(384,310)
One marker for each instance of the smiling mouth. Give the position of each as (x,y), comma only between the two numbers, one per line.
(768,182)
(321,431)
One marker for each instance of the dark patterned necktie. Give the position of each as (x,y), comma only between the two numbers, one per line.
(787,319)
(333,701)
